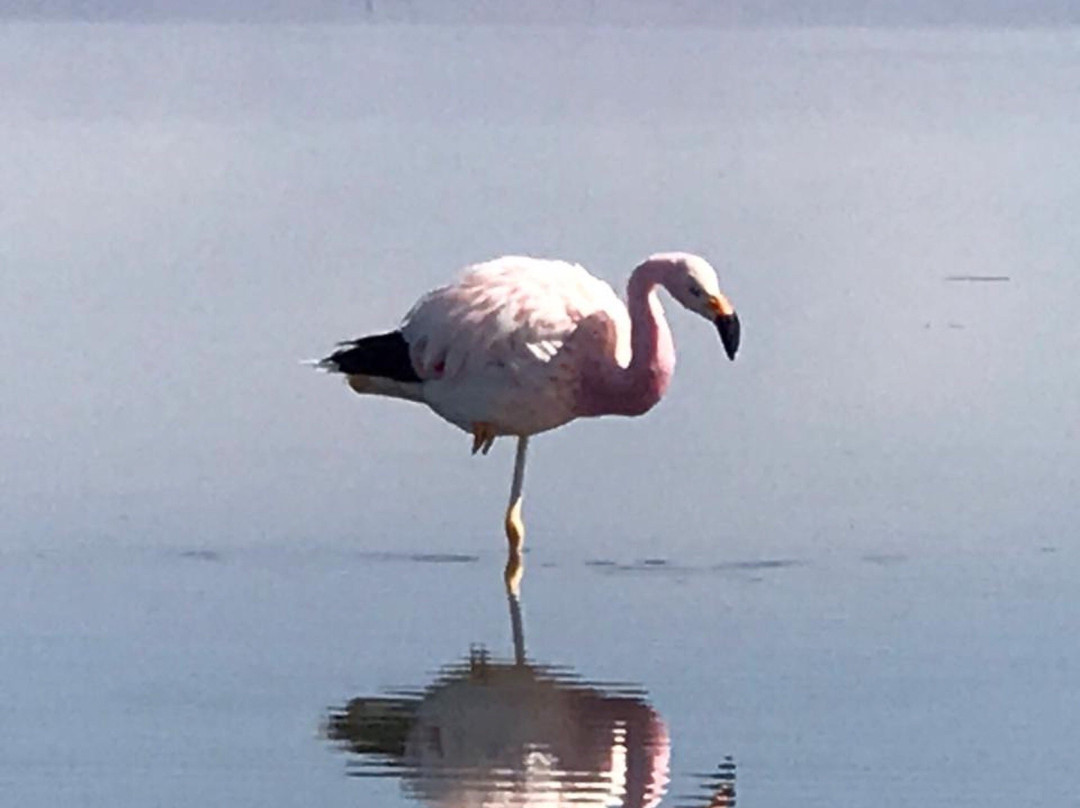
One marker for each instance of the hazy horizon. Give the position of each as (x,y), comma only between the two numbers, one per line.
(886,13)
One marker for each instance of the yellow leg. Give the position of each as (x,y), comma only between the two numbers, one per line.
(514,524)
(484,436)
(513,573)
(515,537)
(515,527)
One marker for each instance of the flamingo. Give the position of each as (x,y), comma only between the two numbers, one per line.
(518,346)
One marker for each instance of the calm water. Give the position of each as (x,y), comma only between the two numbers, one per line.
(164,677)
(839,571)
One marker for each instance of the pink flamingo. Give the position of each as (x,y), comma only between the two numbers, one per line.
(522,345)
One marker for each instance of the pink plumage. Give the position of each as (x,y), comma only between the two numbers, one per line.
(518,345)
(506,344)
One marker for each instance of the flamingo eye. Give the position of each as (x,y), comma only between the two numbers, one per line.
(695,290)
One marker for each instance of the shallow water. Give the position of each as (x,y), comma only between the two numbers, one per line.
(150,676)
(839,571)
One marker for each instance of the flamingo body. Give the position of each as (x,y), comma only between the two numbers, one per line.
(509,343)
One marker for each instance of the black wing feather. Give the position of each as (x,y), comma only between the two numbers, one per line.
(385,355)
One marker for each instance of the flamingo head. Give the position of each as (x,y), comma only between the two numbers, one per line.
(692,281)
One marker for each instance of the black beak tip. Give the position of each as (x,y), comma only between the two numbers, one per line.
(728,326)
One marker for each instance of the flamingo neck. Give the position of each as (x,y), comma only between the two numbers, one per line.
(639,386)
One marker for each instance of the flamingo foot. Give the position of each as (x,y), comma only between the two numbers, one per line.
(484,436)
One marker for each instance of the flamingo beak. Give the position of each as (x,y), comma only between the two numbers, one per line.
(727,323)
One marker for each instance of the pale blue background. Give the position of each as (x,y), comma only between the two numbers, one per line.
(191,207)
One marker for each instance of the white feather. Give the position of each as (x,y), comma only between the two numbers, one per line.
(506,313)
(489,344)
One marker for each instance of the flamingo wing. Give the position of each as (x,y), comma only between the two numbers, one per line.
(505,316)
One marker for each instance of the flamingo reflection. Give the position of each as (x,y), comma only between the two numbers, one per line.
(518,734)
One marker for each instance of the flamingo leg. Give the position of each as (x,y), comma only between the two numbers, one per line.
(483,437)
(517,629)
(515,526)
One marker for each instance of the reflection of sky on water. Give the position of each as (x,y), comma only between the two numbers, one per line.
(186,677)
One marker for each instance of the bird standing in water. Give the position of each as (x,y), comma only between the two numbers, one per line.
(518,346)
